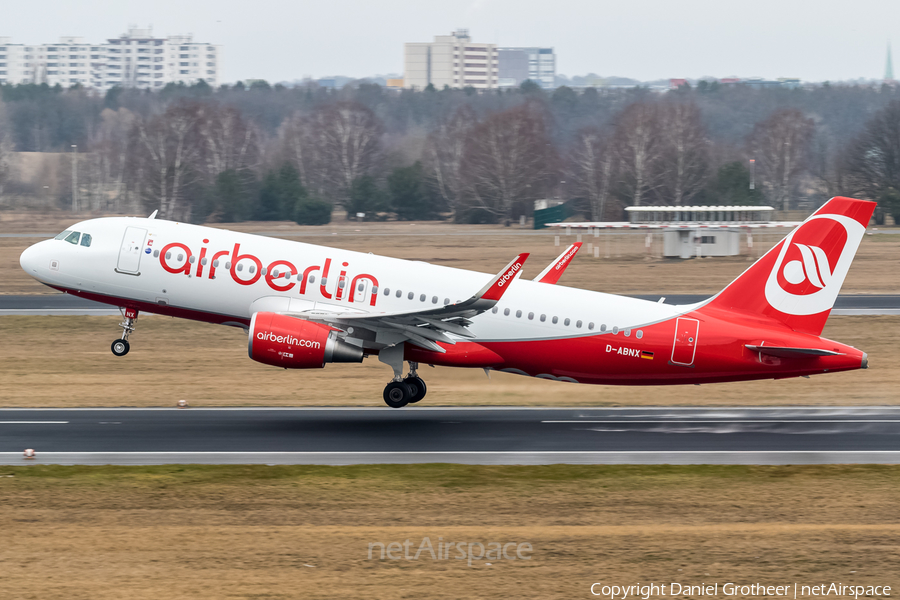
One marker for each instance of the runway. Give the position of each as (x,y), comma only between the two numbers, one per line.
(65,304)
(527,436)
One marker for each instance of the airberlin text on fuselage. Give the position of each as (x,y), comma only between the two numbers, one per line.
(344,283)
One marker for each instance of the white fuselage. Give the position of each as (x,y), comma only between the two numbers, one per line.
(133,266)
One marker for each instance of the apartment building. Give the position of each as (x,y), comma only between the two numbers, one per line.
(134,59)
(453,60)
(518,64)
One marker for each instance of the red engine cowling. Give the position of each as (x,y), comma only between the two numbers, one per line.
(283,341)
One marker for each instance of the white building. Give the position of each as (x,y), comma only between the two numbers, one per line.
(519,64)
(453,60)
(134,59)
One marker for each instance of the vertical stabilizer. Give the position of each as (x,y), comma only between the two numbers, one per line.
(797,281)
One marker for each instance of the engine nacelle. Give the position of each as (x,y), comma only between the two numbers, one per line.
(283,341)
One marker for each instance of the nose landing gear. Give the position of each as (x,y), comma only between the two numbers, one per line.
(121,346)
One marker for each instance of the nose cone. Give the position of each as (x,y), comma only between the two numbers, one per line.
(33,259)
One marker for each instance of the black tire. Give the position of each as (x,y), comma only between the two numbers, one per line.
(417,389)
(396,394)
(120,347)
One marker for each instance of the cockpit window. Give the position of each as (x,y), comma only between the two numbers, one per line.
(62,235)
(86,239)
(72,238)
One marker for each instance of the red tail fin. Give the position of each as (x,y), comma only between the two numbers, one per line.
(797,281)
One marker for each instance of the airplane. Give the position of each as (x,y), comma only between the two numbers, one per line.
(304,305)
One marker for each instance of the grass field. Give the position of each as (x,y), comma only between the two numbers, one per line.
(65,361)
(304,532)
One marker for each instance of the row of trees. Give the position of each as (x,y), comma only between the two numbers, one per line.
(198,154)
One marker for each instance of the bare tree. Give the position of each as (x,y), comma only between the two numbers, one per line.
(102,167)
(166,156)
(873,158)
(332,147)
(229,142)
(639,147)
(509,161)
(5,149)
(781,146)
(684,163)
(298,141)
(349,139)
(590,164)
(443,154)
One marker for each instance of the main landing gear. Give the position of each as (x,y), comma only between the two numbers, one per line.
(121,346)
(400,392)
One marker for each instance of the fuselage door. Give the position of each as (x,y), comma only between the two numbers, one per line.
(685,346)
(131,250)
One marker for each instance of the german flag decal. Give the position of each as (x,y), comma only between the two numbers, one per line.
(646,354)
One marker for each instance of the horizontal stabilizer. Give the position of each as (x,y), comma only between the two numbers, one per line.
(782,352)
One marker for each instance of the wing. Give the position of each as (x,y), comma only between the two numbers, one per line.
(555,269)
(423,328)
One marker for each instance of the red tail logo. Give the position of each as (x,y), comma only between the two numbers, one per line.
(812,264)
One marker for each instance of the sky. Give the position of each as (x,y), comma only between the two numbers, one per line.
(287,40)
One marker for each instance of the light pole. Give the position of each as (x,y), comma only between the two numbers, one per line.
(74,178)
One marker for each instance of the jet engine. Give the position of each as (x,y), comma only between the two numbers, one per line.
(291,343)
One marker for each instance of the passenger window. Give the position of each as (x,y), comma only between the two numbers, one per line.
(362,286)
(518,314)
(156,254)
(422,298)
(578,324)
(86,240)
(590,326)
(530,316)
(602,327)
(555,320)
(312,278)
(615,329)
(639,334)
(494,310)
(399,293)
(434,299)
(543,318)
(505,312)
(72,238)
(387,291)
(627,333)
(446,301)
(566,322)
(410,296)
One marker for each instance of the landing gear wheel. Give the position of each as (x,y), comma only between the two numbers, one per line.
(417,388)
(120,347)
(397,394)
